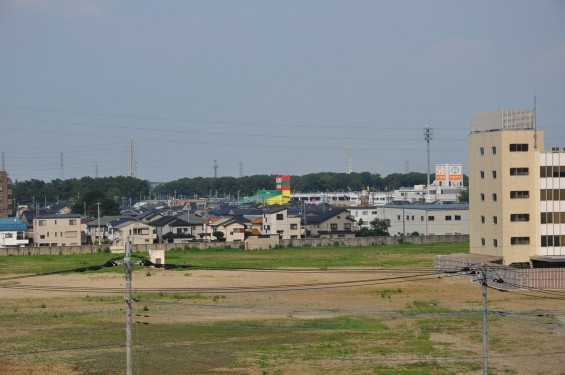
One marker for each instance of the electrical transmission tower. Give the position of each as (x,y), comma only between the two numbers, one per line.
(61,167)
(132,158)
(428,136)
(350,162)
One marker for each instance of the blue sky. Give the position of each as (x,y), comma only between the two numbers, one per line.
(266,87)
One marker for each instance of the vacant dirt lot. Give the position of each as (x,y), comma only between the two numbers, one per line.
(526,330)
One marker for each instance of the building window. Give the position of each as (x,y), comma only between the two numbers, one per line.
(519,171)
(482,151)
(72,222)
(280,217)
(494,197)
(482,219)
(518,147)
(482,197)
(457,217)
(42,236)
(519,194)
(519,217)
(552,171)
(552,195)
(493,174)
(519,240)
(495,220)
(495,242)
(333,226)
(552,217)
(421,218)
(347,226)
(398,217)
(447,217)
(493,150)
(552,241)
(483,242)
(431,218)
(482,174)
(41,223)
(293,226)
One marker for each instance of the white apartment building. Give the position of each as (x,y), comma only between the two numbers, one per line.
(426,219)
(516,190)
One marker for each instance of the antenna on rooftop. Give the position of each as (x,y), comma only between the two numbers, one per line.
(535,124)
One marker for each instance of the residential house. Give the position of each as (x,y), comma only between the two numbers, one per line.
(57,230)
(277,221)
(12,232)
(335,223)
(233,229)
(137,232)
(171,229)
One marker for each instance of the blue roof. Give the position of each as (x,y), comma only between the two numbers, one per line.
(11,223)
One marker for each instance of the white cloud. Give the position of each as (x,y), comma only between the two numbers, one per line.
(66,8)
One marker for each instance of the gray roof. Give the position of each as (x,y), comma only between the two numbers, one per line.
(430,207)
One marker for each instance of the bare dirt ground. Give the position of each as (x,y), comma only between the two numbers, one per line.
(323,294)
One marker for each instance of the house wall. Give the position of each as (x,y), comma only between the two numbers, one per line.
(58,231)
(337,222)
(138,233)
(13,238)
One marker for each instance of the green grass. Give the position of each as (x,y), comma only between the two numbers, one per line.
(268,346)
(311,257)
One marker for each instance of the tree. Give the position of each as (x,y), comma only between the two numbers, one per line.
(107,205)
(380,227)
(464,196)
(219,235)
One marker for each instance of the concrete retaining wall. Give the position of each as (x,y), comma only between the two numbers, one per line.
(251,244)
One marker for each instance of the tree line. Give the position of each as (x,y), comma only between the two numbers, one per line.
(85,192)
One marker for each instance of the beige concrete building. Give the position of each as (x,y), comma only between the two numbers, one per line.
(511,196)
(57,230)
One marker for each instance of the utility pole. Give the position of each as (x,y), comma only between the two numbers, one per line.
(99,241)
(428,136)
(128,269)
(483,280)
